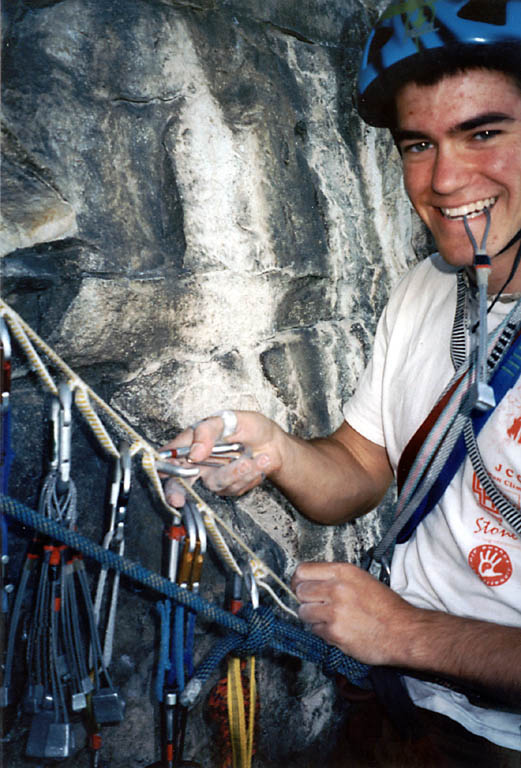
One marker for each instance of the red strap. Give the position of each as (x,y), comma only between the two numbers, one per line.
(414,445)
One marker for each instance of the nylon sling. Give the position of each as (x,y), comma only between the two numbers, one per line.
(505,363)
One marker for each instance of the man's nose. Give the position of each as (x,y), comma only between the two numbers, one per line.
(451,170)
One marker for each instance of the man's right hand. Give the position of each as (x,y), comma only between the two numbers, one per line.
(261,438)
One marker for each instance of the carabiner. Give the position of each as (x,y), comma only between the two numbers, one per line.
(251,586)
(223,452)
(54,460)
(125,464)
(200,550)
(175,470)
(5,365)
(190,543)
(218,450)
(64,440)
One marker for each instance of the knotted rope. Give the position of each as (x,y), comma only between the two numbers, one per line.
(250,632)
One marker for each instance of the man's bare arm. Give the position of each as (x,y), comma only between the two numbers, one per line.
(336,478)
(330,480)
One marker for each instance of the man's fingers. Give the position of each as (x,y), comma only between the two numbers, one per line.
(174,493)
(323,572)
(206,434)
(237,477)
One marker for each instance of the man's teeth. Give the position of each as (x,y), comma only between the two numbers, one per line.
(470,210)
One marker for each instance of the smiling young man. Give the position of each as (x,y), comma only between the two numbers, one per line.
(460,142)
(444,77)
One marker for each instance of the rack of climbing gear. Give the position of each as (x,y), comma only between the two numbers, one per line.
(68,677)
(60,681)
(97,414)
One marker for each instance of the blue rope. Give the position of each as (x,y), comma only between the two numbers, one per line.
(163,663)
(190,641)
(253,631)
(7,456)
(177,666)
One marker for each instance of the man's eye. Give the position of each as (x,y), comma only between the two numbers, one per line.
(486,134)
(418,146)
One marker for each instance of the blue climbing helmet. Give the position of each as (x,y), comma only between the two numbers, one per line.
(419,41)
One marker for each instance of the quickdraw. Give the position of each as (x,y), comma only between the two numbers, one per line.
(113,540)
(187,548)
(59,685)
(6,457)
(242,704)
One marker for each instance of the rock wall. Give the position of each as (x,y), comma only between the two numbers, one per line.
(195,218)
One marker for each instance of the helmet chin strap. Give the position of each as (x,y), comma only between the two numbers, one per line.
(484,398)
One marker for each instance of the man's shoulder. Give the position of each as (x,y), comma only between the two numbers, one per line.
(433,268)
(430,276)
(427,288)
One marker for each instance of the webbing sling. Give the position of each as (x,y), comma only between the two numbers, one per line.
(506,370)
(503,379)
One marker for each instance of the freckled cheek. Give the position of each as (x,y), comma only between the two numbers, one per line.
(505,168)
(416,185)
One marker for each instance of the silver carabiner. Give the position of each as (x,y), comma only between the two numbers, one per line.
(55,435)
(5,365)
(125,464)
(200,526)
(175,470)
(64,431)
(251,586)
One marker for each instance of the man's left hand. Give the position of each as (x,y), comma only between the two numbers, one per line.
(349,608)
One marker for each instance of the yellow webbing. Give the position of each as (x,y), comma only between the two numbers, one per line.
(240,737)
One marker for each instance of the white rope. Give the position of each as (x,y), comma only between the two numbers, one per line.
(81,399)
(24,334)
(32,355)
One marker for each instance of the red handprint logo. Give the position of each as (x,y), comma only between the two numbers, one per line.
(491,563)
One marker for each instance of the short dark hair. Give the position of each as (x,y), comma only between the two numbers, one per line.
(444,62)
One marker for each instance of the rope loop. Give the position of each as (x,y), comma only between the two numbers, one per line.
(261,626)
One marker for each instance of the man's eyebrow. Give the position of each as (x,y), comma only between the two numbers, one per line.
(467,125)
(405,135)
(479,120)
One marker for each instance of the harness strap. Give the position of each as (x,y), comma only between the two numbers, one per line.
(437,449)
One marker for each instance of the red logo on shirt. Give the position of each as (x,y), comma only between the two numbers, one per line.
(491,563)
(514,430)
(483,498)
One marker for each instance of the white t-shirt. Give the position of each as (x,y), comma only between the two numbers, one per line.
(463,558)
